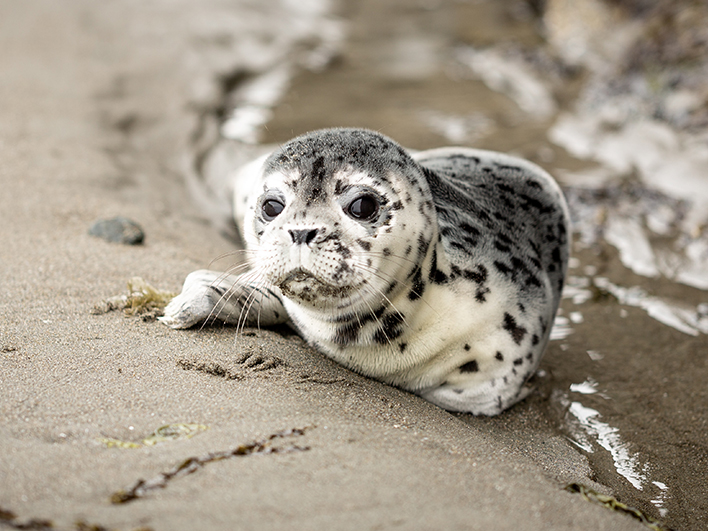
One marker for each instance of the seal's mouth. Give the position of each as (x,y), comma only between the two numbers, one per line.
(299,275)
(306,286)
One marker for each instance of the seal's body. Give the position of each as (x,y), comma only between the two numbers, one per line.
(438,272)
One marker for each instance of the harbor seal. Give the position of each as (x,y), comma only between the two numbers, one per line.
(439,272)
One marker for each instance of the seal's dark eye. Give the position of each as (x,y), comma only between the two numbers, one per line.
(363,208)
(271,208)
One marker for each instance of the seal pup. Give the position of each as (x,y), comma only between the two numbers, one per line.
(439,272)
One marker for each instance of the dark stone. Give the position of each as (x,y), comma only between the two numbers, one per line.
(118,230)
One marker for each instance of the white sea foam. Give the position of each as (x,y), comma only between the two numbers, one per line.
(630,239)
(665,160)
(457,129)
(691,321)
(253,102)
(586,428)
(273,41)
(561,328)
(511,76)
(626,463)
(588,387)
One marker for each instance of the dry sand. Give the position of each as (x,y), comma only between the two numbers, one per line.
(94,117)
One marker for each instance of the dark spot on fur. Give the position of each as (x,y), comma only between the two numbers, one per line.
(219,290)
(533,281)
(390,328)
(418,287)
(470,229)
(535,247)
(499,356)
(435,275)
(502,267)
(467,347)
(470,241)
(481,294)
(402,346)
(347,334)
(506,188)
(422,245)
(517,332)
(501,247)
(364,244)
(534,340)
(470,366)
(479,275)
(534,184)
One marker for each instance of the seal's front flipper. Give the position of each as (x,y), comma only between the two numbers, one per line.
(216,296)
(485,398)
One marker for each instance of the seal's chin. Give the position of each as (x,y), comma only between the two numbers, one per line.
(303,286)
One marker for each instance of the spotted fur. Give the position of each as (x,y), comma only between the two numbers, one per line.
(447,291)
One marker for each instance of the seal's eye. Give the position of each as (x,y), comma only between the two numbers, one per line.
(271,208)
(363,208)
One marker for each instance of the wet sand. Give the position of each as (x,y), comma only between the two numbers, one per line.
(100,104)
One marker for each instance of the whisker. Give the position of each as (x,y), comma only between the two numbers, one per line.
(234,252)
(251,299)
(406,284)
(378,321)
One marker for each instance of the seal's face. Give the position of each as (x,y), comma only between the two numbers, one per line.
(333,217)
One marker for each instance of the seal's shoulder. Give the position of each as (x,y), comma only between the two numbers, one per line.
(477,172)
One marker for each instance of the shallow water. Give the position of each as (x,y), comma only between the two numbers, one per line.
(624,378)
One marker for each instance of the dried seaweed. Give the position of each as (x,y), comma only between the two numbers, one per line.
(611,503)
(10,519)
(192,464)
(142,300)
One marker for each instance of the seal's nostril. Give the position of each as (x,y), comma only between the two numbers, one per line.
(301,236)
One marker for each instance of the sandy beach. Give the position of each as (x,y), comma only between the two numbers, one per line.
(100,104)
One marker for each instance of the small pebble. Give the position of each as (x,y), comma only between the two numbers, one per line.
(118,230)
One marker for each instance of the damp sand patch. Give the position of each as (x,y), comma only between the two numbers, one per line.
(168,432)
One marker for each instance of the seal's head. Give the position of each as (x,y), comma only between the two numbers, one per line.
(330,223)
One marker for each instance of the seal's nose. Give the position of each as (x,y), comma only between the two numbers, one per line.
(303,236)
